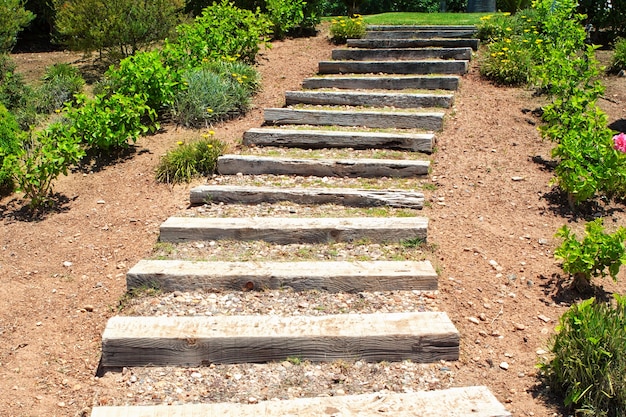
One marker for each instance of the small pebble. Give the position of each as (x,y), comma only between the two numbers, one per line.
(504,365)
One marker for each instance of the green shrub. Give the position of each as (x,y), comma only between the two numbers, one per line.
(588,368)
(507,62)
(118,28)
(15,95)
(60,83)
(108,123)
(292,16)
(10,144)
(209,97)
(618,61)
(596,255)
(190,160)
(44,156)
(13,18)
(144,73)
(344,28)
(242,73)
(222,31)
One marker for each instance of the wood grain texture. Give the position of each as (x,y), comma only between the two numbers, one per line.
(176,275)
(420,34)
(475,401)
(432,121)
(424,82)
(232,194)
(393,67)
(364,168)
(315,139)
(199,340)
(413,43)
(357,98)
(401,54)
(287,230)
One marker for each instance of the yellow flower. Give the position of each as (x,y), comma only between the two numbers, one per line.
(525,41)
(211,132)
(209,110)
(509,29)
(57,111)
(244,77)
(180,143)
(506,14)
(504,61)
(538,41)
(507,40)
(209,146)
(526,30)
(536,33)
(486,17)
(505,49)
(493,54)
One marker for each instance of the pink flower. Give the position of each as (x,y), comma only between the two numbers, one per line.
(620,142)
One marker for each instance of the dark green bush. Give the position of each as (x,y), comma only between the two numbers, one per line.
(60,83)
(618,61)
(15,95)
(118,28)
(13,18)
(188,161)
(292,16)
(10,144)
(588,368)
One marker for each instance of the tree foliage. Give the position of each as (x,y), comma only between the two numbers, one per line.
(13,18)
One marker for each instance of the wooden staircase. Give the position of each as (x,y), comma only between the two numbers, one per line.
(337,111)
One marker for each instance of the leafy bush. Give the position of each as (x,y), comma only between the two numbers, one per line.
(107,123)
(60,83)
(242,73)
(190,160)
(209,97)
(15,95)
(43,157)
(10,143)
(507,62)
(292,16)
(344,28)
(595,255)
(224,32)
(144,73)
(589,364)
(119,28)
(13,18)
(618,61)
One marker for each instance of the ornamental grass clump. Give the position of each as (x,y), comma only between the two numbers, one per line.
(588,364)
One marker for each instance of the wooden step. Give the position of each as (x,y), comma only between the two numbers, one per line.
(230,194)
(418,82)
(290,230)
(394,67)
(316,139)
(432,121)
(413,43)
(200,340)
(475,401)
(359,98)
(175,275)
(420,34)
(364,168)
(372,28)
(401,54)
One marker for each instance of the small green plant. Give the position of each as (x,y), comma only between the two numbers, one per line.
(507,62)
(44,156)
(190,160)
(15,95)
(415,242)
(618,61)
(588,367)
(60,83)
(291,16)
(597,254)
(10,144)
(13,18)
(294,360)
(344,28)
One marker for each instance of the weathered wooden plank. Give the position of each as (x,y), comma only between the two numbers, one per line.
(194,341)
(475,401)
(295,230)
(443,82)
(341,196)
(175,275)
(393,67)
(364,168)
(378,119)
(419,34)
(315,139)
(413,43)
(401,54)
(420,27)
(370,99)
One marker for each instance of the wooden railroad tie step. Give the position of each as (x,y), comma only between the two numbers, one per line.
(340,276)
(432,121)
(360,98)
(394,67)
(413,43)
(315,139)
(402,54)
(233,194)
(288,230)
(365,168)
(475,401)
(387,82)
(420,34)
(422,337)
